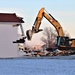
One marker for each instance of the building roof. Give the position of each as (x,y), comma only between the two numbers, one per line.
(10,17)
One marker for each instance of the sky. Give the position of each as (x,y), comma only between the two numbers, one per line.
(62,10)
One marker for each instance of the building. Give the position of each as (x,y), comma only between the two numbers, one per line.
(8,34)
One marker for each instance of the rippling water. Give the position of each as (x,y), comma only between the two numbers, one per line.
(24,66)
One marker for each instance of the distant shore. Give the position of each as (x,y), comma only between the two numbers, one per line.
(51,57)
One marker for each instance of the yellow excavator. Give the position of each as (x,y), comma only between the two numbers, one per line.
(62,41)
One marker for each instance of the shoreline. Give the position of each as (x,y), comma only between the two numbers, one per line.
(51,57)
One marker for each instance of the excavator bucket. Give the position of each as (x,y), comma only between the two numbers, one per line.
(29,34)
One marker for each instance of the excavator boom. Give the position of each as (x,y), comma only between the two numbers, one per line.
(38,20)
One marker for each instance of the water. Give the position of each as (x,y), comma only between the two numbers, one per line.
(37,67)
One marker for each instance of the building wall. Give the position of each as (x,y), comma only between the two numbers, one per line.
(8,34)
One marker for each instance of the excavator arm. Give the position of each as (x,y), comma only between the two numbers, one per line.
(62,41)
(42,13)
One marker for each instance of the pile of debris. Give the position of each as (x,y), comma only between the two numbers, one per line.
(46,52)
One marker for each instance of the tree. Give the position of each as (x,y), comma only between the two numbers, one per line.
(66,34)
(50,37)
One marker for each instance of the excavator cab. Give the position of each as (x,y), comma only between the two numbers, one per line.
(65,43)
(62,41)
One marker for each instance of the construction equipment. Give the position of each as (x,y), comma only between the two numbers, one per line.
(62,41)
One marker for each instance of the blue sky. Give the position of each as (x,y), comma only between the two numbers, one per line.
(62,10)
